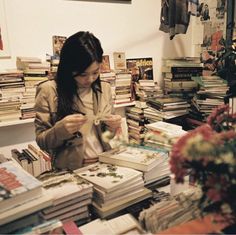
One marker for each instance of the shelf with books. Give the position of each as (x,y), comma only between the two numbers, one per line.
(16,122)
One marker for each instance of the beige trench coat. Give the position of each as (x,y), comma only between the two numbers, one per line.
(66,149)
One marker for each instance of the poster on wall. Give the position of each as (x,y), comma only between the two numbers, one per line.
(4,43)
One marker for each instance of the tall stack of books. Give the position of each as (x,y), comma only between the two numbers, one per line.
(115,187)
(178,73)
(122,88)
(71,196)
(123,95)
(12,88)
(111,78)
(211,93)
(135,122)
(35,71)
(22,198)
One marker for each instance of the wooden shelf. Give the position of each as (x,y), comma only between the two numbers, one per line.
(16,122)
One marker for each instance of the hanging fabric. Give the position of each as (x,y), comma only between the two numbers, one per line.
(175,16)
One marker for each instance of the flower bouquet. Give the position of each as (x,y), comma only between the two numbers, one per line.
(209,153)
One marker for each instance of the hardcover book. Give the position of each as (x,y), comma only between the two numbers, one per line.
(133,157)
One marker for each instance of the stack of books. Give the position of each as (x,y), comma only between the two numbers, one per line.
(71,196)
(12,88)
(178,73)
(35,71)
(115,187)
(123,87)
(148,89)
(111,78)
(135,122)
(22,197)
(166,108)
(211,93)
(152,163)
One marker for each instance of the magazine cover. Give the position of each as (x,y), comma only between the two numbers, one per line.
(140,68)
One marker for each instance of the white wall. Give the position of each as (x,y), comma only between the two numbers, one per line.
(132,28)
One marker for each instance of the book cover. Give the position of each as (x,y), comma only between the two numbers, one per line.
(108,177)
(105,66)
(119,60)
(17,185)
(133,157)
(57,43)
(140,68)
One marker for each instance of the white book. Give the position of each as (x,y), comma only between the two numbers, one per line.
(65,187)
(108,177)
(134,157)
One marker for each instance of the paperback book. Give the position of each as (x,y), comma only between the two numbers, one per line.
(16,186)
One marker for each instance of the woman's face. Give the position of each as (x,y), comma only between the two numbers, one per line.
(85,79)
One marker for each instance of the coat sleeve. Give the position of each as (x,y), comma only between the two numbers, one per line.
(49,134)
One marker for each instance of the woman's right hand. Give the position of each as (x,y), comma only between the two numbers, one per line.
(72,123)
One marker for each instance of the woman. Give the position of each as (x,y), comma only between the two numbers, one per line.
(74,111)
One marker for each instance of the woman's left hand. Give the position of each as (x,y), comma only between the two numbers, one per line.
(113,122)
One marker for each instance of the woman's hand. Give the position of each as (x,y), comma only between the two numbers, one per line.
(72,123)
(113,122)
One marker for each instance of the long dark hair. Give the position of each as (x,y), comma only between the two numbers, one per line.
(78,52)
